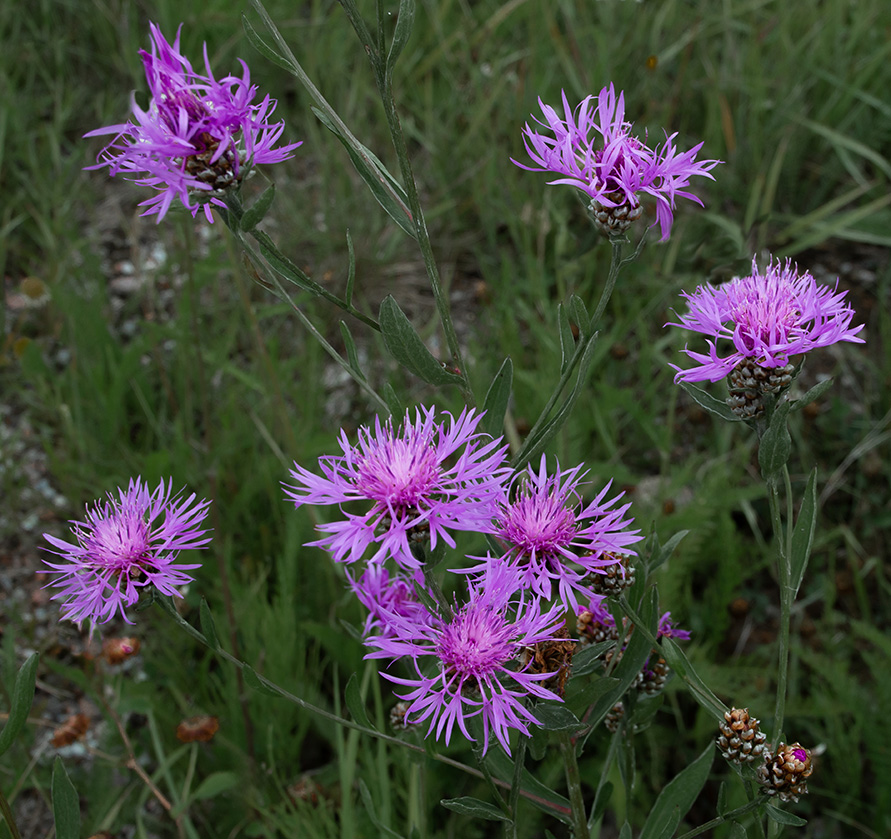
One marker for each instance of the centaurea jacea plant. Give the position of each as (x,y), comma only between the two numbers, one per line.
(479,663)
(125,545)
(199,136)
(418,481)
(593,148)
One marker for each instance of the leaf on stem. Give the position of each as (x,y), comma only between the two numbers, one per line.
(555,716)
(497,399)
(580,314)
(803,534)
(662,553)
(776,444)
(813,394)
(351,275)
(384,187)
(254,214)
(709,403)
(404,20)
(66,804)
(283,266)
(352,354)
(676,799)
(782,817)
(208,628)
(262,47)
(22,697)
(468,806)
(252,680)
(406,346)
(679,662)
(567,341)
(535,792)
(354,703)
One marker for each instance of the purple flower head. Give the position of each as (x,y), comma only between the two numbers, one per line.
(593,149)
(125,544)
(198,137)
(385,596)
(421,480)
(479,652)
(554,538)
(667,629)
(768,317)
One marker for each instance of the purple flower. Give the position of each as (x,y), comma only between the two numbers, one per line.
(422,480)
(385,596)
(768,317)
(478,655)
(198,137)
(125,544)
(554,538)
(593,149)
(667,629)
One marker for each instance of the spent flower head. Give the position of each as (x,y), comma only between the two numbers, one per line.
(199,136)
(418,482)
(767,316)
(554,538)
(593,149)
(481,668)
(125,544)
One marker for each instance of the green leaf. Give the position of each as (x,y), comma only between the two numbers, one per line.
(394,403)
(537,793)
(214,784)
(254,214)
(665,551)
(66,804)
(252,680)
(776,444)
(497,399)
(208,628)
(352,355)
(803,534)
(384,187)
(354,703)
(283,266)
(676,799)
(372,812)
(406,346)
(782,817)
(404,20)
(708,402)
(555,716)
(263,48)
(679,662)
(22,697)
(813,394)
(604,794)
(567,341)
(468,806)
(588,659)
(737,831)
(625,832)
(580,314)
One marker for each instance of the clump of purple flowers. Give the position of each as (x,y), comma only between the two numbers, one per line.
(199,136)
(555,539)
(478,659)
(768,317)
(592,148)
(418,482)
(125,544)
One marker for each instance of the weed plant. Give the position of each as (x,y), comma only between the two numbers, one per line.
(197,373)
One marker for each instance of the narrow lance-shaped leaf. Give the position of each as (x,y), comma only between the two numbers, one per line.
(352,354)
(679,662)
(254,214)
(468,806)
(497,399)
(263,48)
(812,395)
(676,799)
(66,804)
(664,552)
(354,703)
(782,817)
(404,21)
(709,403)
(406,346)
(580,313)
(351,275)
(803,534)
(776,444)
(208,627)
(22,697)
(567,341)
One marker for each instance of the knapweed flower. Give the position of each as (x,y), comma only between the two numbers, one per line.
(768,317)
(125,544)
(480,666)
(199,136)
(667,629)
(554,538)
(592,148)
(422,480)
(385,595)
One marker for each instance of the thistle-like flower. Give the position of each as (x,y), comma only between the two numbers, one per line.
(769,317)
(125,544)
(555,539)
(385,595)
(422,480)
(199,136)
(593,149)
(481,666)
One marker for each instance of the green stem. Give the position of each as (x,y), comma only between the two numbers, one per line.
(574,785)
(784,573)
(604,775)
(487,774)
(739,811)
(510,828)
(6,811)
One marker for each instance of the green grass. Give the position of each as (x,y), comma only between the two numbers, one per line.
(221,390)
